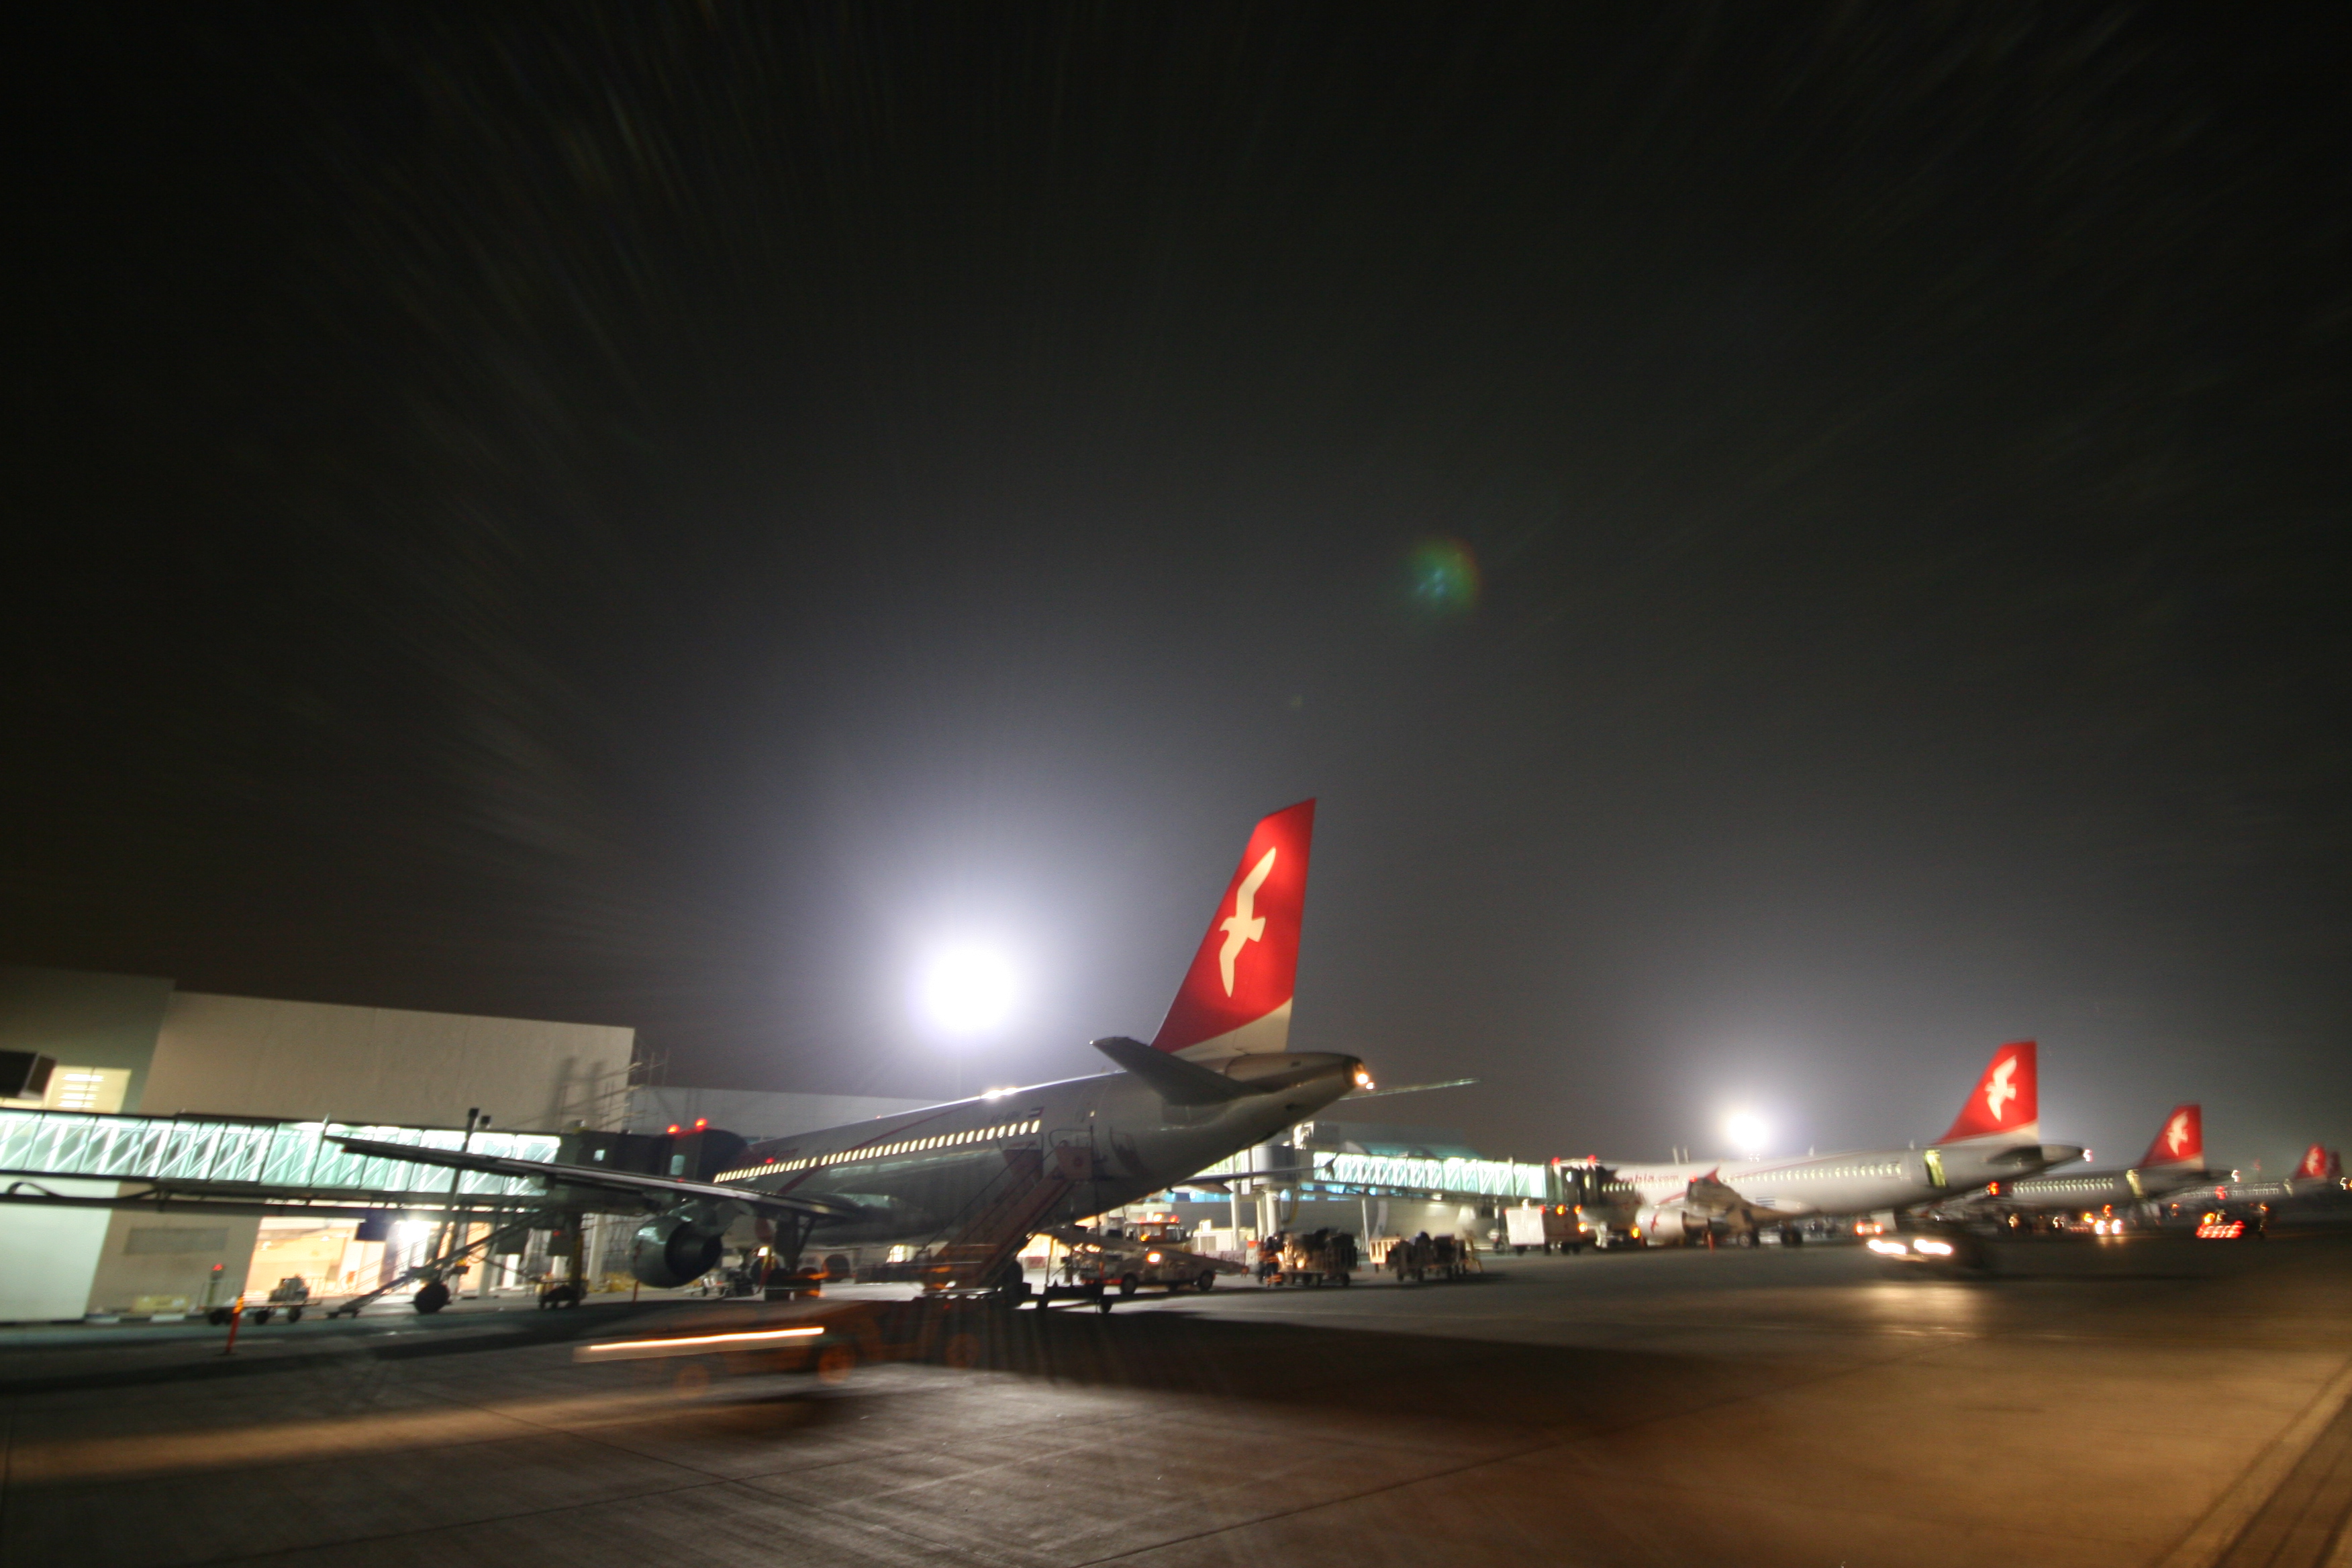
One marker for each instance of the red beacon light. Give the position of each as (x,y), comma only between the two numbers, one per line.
(701,1122)
(673,1127)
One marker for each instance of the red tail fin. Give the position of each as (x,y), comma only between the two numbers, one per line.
(2180,1141)
(1235,999)
(2004,1100)
(2314,1162)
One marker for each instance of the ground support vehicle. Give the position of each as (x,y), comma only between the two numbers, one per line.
(1100,1262)
(1426,1257)
(1545,1226)
(1316,1257)
(829,1339)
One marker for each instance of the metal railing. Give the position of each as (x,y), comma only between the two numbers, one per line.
(285,1154)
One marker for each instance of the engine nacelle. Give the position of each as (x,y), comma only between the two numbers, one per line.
(1671,1226)
(678,1248)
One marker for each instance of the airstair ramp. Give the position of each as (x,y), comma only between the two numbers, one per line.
(999,1222)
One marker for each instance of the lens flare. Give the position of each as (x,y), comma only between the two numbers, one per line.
(1443,577)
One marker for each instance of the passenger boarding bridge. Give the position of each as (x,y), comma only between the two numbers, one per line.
(290,1164)
(1376,1175)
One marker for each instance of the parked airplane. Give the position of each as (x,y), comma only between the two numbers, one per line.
(2318,1174)
(975,1179)
(2175,1160)
(1996,1137)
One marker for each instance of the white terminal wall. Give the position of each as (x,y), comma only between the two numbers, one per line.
(245,1056)
(248,1056)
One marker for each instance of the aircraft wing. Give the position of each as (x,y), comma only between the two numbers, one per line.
(612,1181)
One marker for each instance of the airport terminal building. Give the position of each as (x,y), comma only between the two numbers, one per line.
(124,1043)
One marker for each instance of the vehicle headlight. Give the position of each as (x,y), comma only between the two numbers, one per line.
(1891,1248)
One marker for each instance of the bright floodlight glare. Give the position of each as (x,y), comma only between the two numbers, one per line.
(1747,1132)
(968,989)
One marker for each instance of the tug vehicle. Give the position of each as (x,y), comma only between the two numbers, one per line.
(1152,1253)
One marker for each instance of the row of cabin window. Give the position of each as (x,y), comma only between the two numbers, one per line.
(910,1145)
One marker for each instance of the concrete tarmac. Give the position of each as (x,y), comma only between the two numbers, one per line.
(2148,1402)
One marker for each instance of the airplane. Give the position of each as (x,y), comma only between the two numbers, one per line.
(972,1179)
(2318,1174)
(2175,1160)
(1996,1137)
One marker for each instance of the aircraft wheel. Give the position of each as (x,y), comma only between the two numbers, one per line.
(1127,1283)
(432,1297)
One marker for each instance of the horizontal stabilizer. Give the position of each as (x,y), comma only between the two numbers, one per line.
(1172,1079)
(1410,1088)
(611,1181)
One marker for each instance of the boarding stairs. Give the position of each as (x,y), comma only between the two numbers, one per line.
(981,1243)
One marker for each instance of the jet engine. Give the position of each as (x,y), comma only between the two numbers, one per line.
(679,1248)
(1671,1226)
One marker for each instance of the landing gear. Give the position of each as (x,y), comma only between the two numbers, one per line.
(432,1297)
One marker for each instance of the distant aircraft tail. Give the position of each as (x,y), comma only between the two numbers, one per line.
(1235,999)
(2180,1141)
(2005,1102)
(2317,1162)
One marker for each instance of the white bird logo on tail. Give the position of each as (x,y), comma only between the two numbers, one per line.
(1999,1091)
(1242,927)
(2176,1133)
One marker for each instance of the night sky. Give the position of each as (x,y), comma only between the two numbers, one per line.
(1792,546)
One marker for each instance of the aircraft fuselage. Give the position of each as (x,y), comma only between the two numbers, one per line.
(915,1174)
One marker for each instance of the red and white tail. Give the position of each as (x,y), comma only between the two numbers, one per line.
(2180,1141)
(1235,999)
(2314,1162)
(2005,1103)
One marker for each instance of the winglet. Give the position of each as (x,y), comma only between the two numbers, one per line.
(2005,1102)
(1235,999)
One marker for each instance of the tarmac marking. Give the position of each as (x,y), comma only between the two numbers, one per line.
(2211,1538)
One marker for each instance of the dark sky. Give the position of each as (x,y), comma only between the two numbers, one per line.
(665,516)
